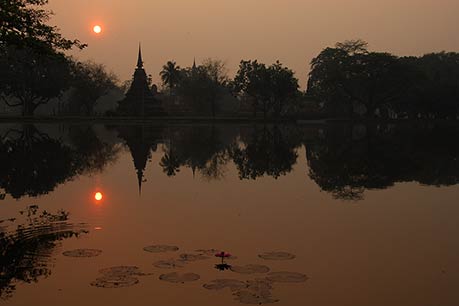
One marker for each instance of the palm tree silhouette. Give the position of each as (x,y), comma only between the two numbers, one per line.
(170,163)
(170,75)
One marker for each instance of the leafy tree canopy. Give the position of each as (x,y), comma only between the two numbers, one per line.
(24,23)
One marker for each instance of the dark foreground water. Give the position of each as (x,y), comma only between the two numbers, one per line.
(311,215)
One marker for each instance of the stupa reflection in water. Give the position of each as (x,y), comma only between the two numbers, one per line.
(141,141)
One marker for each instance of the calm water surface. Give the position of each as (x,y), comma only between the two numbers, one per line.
(370,212)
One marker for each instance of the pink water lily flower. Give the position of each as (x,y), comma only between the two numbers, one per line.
(223,255)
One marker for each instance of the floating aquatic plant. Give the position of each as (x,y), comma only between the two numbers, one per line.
(122,271)
(219,284)
(175,277)
(82,253)
(112,281)
(118,277)
(208,252)
(160,248)
(223,255)
(250,269)
(257,298)
(259,284)
(256,291)
(223,265)
(286,277)
(169,263)
(277,256)
(192,257)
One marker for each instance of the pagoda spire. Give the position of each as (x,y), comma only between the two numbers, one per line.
(140,180)
(194,64)
(139,58)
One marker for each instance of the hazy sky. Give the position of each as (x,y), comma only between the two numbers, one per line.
(293,31)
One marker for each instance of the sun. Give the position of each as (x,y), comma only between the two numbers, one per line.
(97,29)
(98,196)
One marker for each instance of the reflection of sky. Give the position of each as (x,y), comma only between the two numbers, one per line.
(388,249)
(293,31)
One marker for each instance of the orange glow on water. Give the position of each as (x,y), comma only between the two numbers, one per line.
(98,196)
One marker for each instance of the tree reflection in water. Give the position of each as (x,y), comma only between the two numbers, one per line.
(349,159)
(26,246)
(33,163)
(343,159)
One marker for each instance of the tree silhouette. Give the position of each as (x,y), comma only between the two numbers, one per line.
(348,77)
(90,81)
(29,78)
(23,23)
(436,90)
(200,90)
(269,88)
(171,75)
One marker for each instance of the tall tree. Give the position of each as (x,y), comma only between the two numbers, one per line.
(30,78)
(349,74)
(268,88)
(200,87)
(170,75)
(284,86)
(90,81)
(216,70)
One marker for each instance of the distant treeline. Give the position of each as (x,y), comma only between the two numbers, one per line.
(346,81)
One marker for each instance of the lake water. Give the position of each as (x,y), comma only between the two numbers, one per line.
(362,215)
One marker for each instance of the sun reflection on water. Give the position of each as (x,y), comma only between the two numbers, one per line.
(98,196)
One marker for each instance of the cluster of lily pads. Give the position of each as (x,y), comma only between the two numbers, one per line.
(117,277)
(250,291)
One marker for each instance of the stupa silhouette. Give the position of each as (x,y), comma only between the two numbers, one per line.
(139,100)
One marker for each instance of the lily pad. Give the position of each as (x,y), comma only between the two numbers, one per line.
(256,298)
(250,269)
(122,271)
(232,284)
(179,278)
(277,256)
(82,253)
(115,282)
(169,264)
(192,257)
(160,248)
(259,285)
(287,277)
(118,277)
(208,252)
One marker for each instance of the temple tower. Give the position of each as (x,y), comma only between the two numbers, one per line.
(139,100)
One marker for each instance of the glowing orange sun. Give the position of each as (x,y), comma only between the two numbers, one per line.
(98,196)
(97,29)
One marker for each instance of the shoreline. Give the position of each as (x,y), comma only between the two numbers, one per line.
(218,120)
